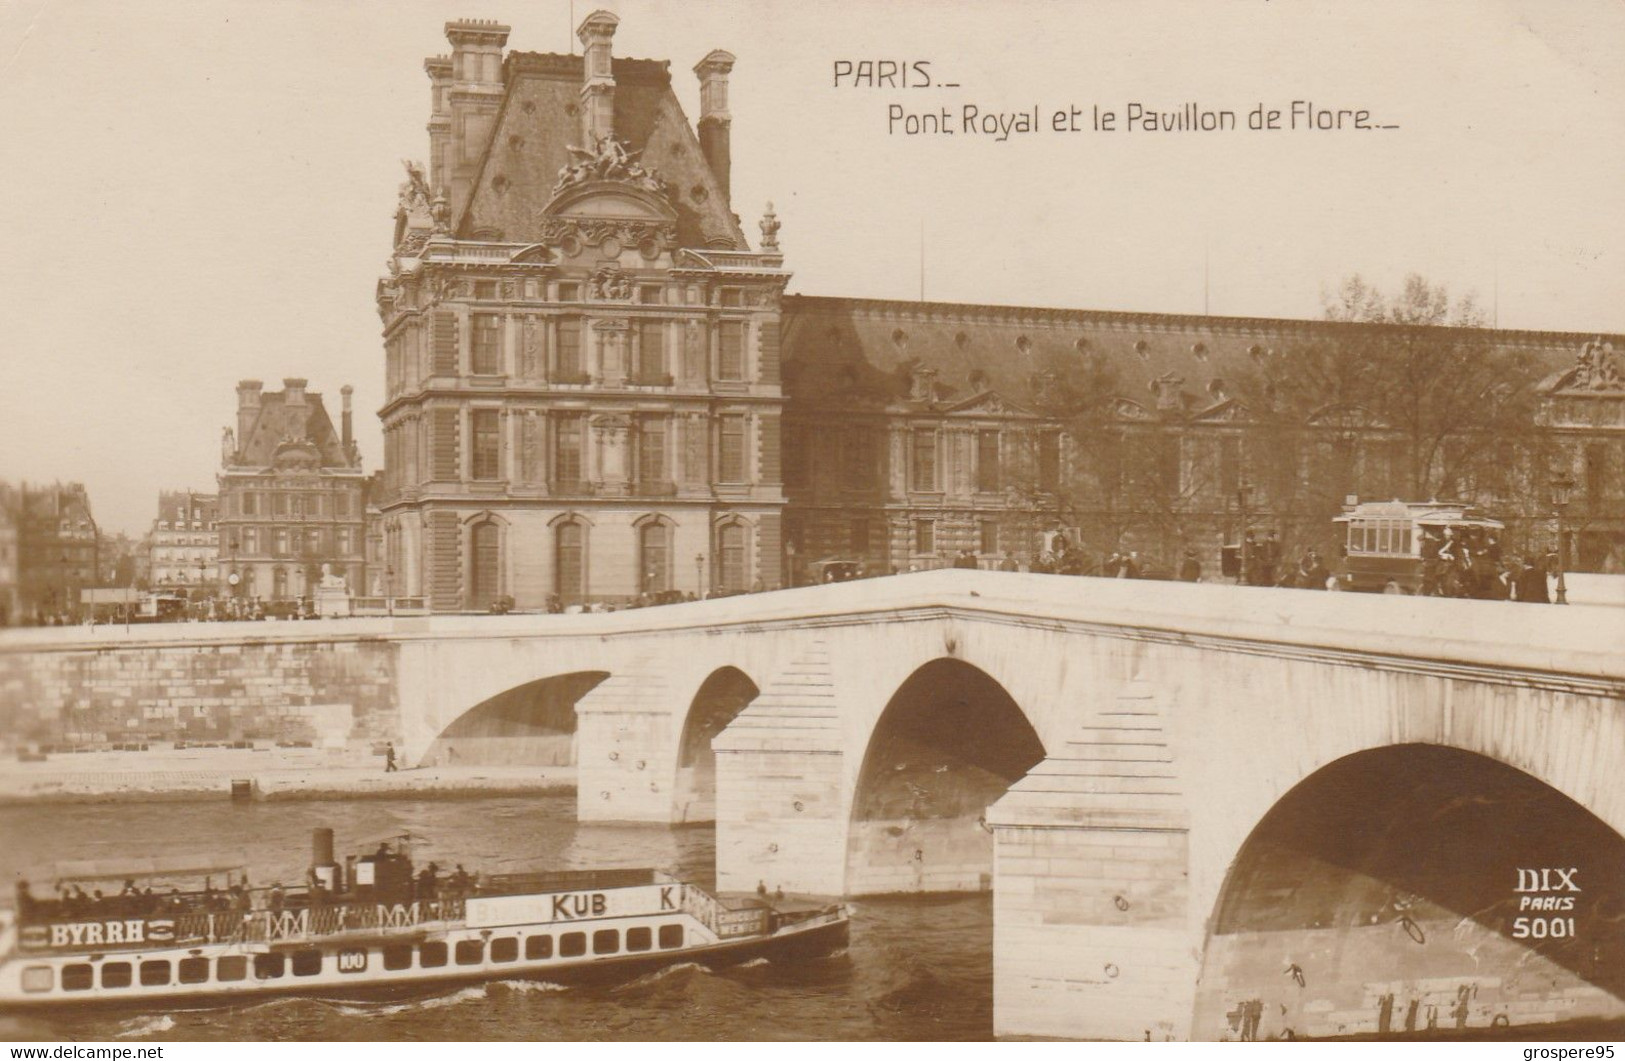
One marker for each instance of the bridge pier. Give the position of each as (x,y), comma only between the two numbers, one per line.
(1093,936)
(782,813)
(625,751)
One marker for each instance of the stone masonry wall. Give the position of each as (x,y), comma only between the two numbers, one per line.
(328,693)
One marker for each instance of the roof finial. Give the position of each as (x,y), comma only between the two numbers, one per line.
(770,229)
(442,214)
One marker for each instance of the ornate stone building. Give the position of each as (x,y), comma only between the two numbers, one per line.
(1583,406)
(292,495)
(949,435)
(583,396)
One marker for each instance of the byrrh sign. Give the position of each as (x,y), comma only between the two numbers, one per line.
(69,935)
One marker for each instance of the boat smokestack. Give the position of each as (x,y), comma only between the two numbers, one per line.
(321,847)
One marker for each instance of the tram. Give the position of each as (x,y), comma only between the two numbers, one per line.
(1387,543)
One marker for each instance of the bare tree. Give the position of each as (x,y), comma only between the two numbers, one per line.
(1410,395)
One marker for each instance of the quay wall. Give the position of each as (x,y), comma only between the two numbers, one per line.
(324,690)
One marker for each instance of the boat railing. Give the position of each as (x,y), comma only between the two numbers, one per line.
(278,926)
(699,905)
(292,924)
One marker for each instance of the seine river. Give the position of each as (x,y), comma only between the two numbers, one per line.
(916,969)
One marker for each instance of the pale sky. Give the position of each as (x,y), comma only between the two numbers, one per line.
(197,193)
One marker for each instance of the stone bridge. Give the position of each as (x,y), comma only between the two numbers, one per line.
(1204,812)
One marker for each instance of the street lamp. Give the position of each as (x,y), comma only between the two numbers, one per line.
(389,588)
(1244,491)
(699,574)
(1562,494)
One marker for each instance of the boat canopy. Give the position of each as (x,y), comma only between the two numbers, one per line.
(127,868)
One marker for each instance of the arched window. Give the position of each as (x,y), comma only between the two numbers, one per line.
(654,557)
(484,583)
(731,562)
(569,575)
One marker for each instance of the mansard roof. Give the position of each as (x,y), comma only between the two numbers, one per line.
(280,428)
(539,121)
(858,353)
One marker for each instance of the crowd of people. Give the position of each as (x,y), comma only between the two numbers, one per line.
(1471,563)
(73,903)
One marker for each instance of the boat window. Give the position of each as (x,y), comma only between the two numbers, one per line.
(505,949)
(154,974)
(77,977)
(671,936)
(194,970)
(639,938)
(37,978)
(538,947)
(268,966)
(397,956)
(307,962)
(431,955)
(572,944)
(470,951)
(606,941)
(231,967)
(116,974)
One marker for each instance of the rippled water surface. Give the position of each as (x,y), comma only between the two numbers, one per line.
(916,969)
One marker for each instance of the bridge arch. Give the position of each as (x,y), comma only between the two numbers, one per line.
(533,724)
(720,698)
(949,742)
(1415,886)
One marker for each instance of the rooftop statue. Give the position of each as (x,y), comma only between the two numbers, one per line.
(608,160)
(1601,367)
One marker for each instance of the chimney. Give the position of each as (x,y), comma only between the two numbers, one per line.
(597,34)
(345,433)
(293,392)
(715,120)
(473,95)
(248,408)
(438,68)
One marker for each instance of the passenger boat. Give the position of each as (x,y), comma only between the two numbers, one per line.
(370,928)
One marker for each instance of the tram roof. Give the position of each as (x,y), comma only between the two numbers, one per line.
(1452,512)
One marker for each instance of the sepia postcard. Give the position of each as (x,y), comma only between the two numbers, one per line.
(812,521)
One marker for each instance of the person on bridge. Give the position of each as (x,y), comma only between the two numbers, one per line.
(1190,569)
(389,758)
(1529,586)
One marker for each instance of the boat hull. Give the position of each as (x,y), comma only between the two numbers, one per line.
(793,943)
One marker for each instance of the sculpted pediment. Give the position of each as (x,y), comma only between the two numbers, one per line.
(611,216)
(1124,409)
(1344,416)
(1228,411)
(599,199)
(987,403)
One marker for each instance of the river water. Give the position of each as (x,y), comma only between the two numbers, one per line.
(916,969)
